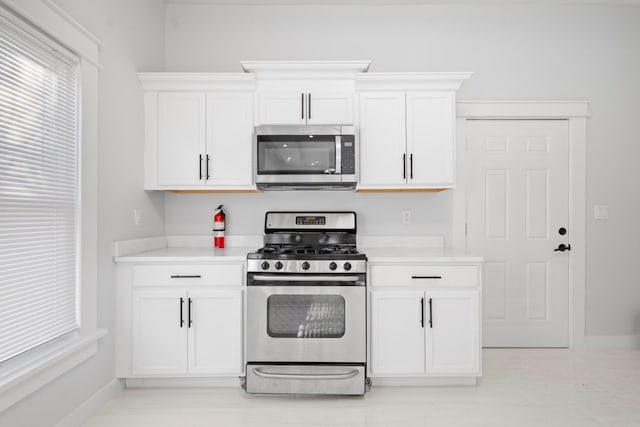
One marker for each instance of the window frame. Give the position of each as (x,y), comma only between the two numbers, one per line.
(30,371)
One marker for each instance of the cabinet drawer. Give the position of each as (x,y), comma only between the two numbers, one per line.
(154,275)
(424,275)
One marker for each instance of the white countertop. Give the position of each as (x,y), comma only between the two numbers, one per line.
(189,255)
(198,249)
(417,254)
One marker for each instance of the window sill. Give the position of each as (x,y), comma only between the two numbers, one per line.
(27,373)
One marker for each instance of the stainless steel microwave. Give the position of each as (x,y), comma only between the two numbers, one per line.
(306,157)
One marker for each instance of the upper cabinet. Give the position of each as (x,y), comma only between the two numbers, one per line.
(407,130)
(301,106)
(199,131)
(305,92)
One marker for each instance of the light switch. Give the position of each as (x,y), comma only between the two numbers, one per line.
(137,217)
(601,212)
(406,217)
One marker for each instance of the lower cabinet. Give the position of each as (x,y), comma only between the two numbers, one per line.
(425,331)
(194,331)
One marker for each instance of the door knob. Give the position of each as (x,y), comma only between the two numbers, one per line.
(562,247)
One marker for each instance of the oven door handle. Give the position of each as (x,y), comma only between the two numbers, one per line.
(344,376)
(288,278)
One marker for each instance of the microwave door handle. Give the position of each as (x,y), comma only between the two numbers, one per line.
(338,154)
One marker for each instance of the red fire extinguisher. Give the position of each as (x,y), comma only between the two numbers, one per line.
(218,228)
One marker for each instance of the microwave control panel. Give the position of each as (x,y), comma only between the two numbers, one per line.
(348,155)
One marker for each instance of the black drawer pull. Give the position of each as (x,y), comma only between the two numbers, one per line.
(426,277)
(431,312)
(180,276)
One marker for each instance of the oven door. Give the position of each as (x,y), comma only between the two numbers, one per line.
(306,323)
(298,159)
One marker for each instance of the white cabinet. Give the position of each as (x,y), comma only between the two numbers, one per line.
(187,332)
(407,139)
(159,337)
(302,107)
(215,335)
(407,130)
(428,329)
(305,92)
(453,333)
(397,337)
(179,320)
(181,141)
(198,132)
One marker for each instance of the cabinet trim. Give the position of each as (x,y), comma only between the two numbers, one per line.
(411,81)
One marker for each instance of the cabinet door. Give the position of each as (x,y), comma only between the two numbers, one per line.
(329,108)
(382,139)
(397,333)
(430,139)
(181,138)
(159,337)
(281,108)
(453,335)
(215,333)
(229,139)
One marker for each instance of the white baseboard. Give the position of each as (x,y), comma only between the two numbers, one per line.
(182,382)
(621,342)
(423,381)
(88,408)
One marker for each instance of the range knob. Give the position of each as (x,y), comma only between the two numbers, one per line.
(265,265)
(278,265)
(305,265)
(333,266)
(347,266)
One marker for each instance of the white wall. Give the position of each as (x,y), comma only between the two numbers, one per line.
(132,33)
(517,52)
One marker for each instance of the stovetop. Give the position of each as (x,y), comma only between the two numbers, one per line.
(304,242)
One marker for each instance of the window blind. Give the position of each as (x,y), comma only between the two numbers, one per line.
(38,188)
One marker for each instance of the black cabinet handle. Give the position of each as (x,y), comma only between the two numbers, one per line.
(181,308)
(422,312)
(404,166)
(426,277)
(411,166)
(200,165)
(309,105)
(562,247)
(302,105)
(189,322)
(208,176)
(430,313)
(187,276)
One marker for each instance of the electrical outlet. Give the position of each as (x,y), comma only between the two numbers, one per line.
(406,217)
(601,212)
(137,217)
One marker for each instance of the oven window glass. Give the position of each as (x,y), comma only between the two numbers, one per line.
(305,316)
(283,156)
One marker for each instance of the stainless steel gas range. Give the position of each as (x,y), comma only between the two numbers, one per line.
(306,306)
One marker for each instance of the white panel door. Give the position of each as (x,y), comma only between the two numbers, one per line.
(159,332)
(517,212)
(383,161)
(281,108)
(181,138)
(329,108)
(215,332)
(453,332)
(229,139)
(397,333)
(430,138)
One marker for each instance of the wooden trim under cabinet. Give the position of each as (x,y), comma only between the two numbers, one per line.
(400,190)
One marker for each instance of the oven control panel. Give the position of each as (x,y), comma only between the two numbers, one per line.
(311,220)
(306,266)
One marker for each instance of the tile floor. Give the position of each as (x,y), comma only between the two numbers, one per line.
(535,387)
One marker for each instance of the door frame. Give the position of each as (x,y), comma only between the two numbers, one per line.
(576,114)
